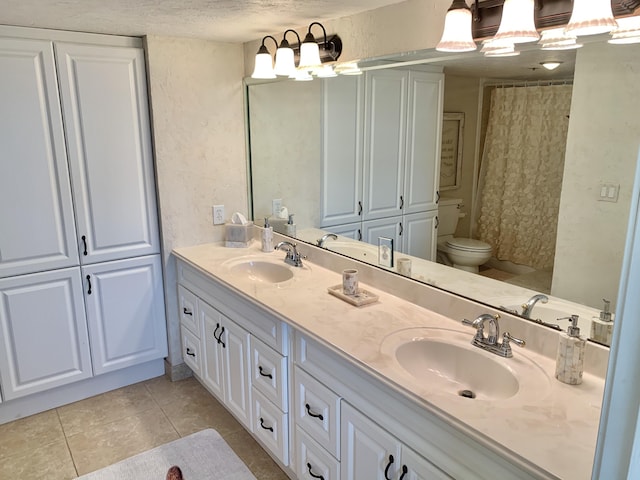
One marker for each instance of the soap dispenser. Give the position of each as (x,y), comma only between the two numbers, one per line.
(267,236)
(602,328)
(290,227)
(570,358)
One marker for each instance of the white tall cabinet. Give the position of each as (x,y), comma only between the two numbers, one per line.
(381,157)
(80,271)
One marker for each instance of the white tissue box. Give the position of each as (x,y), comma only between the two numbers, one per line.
(238,236)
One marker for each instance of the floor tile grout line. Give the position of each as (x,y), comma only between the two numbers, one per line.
(66,441)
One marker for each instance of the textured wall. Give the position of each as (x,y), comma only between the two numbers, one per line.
(602,146)
(195,88)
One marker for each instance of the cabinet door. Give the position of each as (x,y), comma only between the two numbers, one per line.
(106,121)
(384,146)
(125,312)
(419,235)
(36,212)
(43,332)
(341,195)
(213,371)
(350,230)
(424,131)
(418,468)
(368,452)
(392,228)
(237,371)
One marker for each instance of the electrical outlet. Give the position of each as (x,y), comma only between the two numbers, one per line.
(218,214)
(276,206)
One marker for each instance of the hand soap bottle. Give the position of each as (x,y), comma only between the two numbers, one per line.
(570,358)
(290,227)
(267,236)
(602,328)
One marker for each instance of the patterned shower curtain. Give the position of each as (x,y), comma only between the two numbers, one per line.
(521,172)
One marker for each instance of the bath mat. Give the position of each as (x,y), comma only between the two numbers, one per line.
(200,456)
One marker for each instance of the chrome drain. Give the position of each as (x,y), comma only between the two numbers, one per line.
(467,394)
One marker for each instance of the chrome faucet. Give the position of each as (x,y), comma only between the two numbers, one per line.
(490,341)
(293,257)
(527,307)
(321,241)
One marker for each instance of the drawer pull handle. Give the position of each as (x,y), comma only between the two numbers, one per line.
(186,311)
(405,470)
(89,282)
(268,375)
(216,331)
(220,338)
(401,202)
(314,415)
(190,352)
(386,470)
(320,477)
(262,425)
(84,242)
(359,208)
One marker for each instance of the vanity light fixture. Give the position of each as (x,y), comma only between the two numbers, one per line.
(518,23)
(457,36)
(558,39)
(264,63)
(285,58)
(348,68)
(498,49)
(301,75)
(551,65)
(628,31)
(590,17)
(310,51)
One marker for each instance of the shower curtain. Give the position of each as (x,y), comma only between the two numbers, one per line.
(521,172)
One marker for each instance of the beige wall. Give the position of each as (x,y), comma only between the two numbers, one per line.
(602,146)
(461,94)
(195,88)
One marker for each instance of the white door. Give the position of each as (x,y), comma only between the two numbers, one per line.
(43,332)
(125,312)
(373,230)
(367,451)
(384,144)
(36,212)
(419,234)
(237,371)
(106,120)
(418,468)
(424,132)
(341,195)
(213,370)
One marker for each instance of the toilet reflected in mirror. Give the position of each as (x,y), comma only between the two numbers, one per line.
(461,253)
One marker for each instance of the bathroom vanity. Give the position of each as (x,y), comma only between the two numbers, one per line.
(334,391)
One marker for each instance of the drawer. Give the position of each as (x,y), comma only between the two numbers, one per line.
(317,411)
(188,304)
(271,426)
(191,351)
(269,372)
(312,461)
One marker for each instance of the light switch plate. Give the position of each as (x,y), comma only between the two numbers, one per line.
(385,252)
(609,192)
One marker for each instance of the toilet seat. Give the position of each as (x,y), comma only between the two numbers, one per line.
(468,245)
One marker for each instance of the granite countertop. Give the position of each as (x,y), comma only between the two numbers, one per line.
(555,429)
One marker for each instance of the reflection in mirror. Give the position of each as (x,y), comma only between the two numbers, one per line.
(546,165)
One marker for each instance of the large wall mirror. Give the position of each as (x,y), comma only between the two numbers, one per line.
(569,207)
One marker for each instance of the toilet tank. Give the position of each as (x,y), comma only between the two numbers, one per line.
(448,215)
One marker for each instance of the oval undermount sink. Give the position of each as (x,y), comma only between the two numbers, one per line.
(443,362)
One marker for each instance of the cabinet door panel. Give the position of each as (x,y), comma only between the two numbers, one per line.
(341,194)
(392,228)
(43,332)
(385,138)
(36,212)
(106,120)
(419,468)
(237,376)
(213,370)
(422,173)
(420,234)
(125,312)
(367,450)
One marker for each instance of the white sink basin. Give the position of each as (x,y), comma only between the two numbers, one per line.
(261,269)
(357,250)
(444,362)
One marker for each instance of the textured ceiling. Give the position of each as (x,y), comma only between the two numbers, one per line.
(219,20)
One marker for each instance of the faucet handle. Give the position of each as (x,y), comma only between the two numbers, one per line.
(506,337)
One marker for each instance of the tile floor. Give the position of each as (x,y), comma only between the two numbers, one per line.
(75,439)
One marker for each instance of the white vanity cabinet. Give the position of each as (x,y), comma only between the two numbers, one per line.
(244,360)
(371,453)
(387,172)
